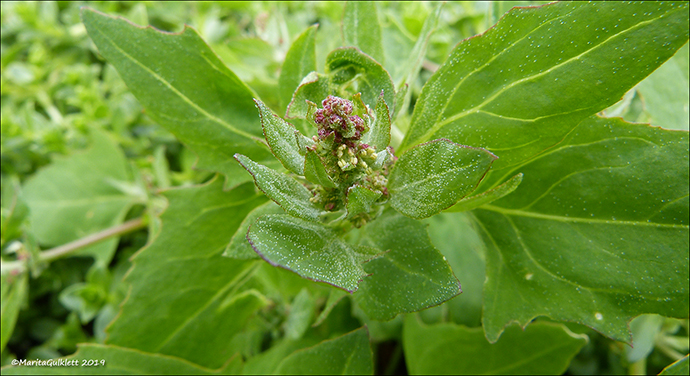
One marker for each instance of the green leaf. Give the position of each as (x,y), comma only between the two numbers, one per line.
(267,362)
(665,93)
(334,297)
(379,136)
(314,88)
(281,138)
(411,276)
(360,74)
(308,249)
(239,247)
(14,291)
(645,329)
(678,368)
(287,192)
(315,171)
(449,349)
(80,195)
(524,84)
(360,199)
(455,237)
(187,89)
(346,355)
(186,297)
(597,233)
(361,28)
(433,176)
(123,361)
(300,316)
(299,61)
(469,203)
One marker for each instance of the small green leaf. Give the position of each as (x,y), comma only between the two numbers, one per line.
(185,88)
(449,349)
(334,296)
(302,142)
(281,138)
(314,87)
(300,316)
(346,355)
(308,249)
(348,66)
(315,171)
(433,176)
(299,61)
(410,276)
(14,289)
(122,361)
(677,368)
(239,247)
(193,299)
(360,199)
(379,136)
(362,29)
(469,203)
(287,192)
(80,195)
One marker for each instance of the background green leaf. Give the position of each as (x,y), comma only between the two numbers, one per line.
(597,233)
(14,291)
(186,88)
(194,300)
(299,61)
(346,355)
(362,29)
(449,349)
(677,368)
(80,195)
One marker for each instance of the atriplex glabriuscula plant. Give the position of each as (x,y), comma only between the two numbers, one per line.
(570,207)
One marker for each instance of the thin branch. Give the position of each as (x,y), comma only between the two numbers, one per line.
(66,249)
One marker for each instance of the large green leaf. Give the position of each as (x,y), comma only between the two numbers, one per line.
(186,299)
(309,249)
(287,192)
(597,233)
(677,368)
(187,89)
(410,276)
(122,361)
(449,349)
(434,176)
(523,85)
(299,61)
(80,195)
(362,29)
(239,247)
(347,355)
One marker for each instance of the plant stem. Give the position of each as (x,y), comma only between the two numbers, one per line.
(65,249)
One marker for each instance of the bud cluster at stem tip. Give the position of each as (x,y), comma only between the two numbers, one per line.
(336,117)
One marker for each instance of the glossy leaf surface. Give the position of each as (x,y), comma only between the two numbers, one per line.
(287,192)
(435,175)
(362,29)
(346,355)
(410,276)
(187,89)
(528,81)
(308,249)
(449,349)
(597,233)
(193,296)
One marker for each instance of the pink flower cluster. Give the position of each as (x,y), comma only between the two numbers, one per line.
(336,116)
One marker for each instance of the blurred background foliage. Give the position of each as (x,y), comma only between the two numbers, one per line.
(57,91)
